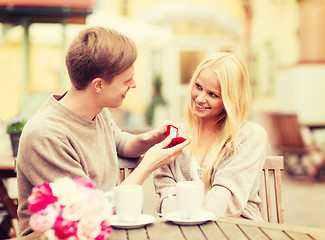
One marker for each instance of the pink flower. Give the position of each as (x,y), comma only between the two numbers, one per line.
(74,210)
(66,190)
(84,202)
(95,202)
(70,210)
(64,228)
(105,232)
(44,219)
(41,197)
(88,228)
(88,183)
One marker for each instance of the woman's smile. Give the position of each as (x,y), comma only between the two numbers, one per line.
(200,107)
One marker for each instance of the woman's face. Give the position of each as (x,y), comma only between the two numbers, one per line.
(206,99)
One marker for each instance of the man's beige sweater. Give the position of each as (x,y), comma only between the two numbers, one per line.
(56,143)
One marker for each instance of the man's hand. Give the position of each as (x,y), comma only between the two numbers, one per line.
(158,134)
(157,156)
(160,155)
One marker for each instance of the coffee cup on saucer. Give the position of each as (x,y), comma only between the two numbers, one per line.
(190,197)
(127,200)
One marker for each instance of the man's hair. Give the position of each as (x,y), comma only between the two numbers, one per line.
(98,52)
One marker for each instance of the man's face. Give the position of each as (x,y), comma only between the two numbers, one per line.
(116,91)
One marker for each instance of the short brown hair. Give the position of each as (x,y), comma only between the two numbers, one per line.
(98,52)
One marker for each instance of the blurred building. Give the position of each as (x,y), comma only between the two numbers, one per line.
(280,40)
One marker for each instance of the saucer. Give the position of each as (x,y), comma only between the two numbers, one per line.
(144,219)
(175,218)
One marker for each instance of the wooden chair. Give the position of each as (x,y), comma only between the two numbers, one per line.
(286,137)
(270,189)
(124,172)
(127,165)
(285,133)
(8,204)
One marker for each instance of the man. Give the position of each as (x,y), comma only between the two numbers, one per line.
(74,135)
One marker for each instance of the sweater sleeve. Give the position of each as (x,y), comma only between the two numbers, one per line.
(164,181)
(237,177)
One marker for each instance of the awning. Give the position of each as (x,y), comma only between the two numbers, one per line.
(49,11)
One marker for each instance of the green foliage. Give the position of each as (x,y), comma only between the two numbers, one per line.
(157,99)
(16,125)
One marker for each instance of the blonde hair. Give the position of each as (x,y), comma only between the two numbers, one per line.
(236,96)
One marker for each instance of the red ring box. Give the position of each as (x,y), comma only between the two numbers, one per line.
(173,131)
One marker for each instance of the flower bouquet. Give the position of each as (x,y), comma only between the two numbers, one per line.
(70,209)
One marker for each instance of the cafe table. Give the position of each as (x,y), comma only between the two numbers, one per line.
(7,170)
(7,165)
(222,229)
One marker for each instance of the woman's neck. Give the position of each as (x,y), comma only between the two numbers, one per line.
(207,138)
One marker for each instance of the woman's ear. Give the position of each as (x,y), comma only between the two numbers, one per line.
(97,84)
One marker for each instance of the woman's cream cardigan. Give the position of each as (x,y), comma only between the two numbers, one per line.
(235,182)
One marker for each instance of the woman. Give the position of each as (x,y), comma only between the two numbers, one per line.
(227,151)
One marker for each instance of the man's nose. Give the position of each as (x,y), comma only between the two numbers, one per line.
(133,84)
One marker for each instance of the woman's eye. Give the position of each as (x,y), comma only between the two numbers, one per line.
(198,86)
(213,95)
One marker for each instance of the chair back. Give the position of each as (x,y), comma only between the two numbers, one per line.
(270,189)
(285,133)
(8,205)
(127,165)
(124,172)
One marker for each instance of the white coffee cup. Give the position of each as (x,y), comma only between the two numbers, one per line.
(190,197)
(127,200)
